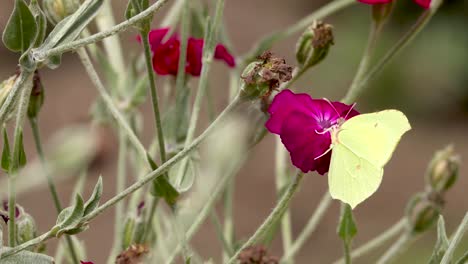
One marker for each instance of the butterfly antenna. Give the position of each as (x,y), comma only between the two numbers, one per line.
(323,154)
(349,111)
(330,103)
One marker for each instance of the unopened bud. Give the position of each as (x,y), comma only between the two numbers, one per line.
(260,78)
(5,89)
(256,255)
(26,228)
(443,170)
(314,44)
(57,10)
(133,254)
(37,96)
(381,12)
(423,211)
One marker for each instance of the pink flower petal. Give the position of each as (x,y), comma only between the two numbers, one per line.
(373,2)
(194,56)
(423,3)
(156,36)
(221,53)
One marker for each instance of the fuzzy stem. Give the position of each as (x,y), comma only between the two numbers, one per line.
(227,249)
(14,94)
(50,182)
(74,45)
(14,160)
(455,241)
(397,248)
(310,227)
(277,213)
(377,241)
(422,21)
(119,207)
(281,181)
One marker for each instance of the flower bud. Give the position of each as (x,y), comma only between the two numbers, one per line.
(26,228)
(57,10)
(256,255)
(261,77)
(133,254)
(5,89)
(423,211)
(443,170)
(380,12)
(314,44)
(36,100)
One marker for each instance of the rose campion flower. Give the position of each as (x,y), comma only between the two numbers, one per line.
(166,54)
(423,3)
(86,262)
(303,124)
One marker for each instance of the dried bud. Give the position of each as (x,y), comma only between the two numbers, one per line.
(37,96)
(5,88)
(314,44)
(261,77)
(256,255)
(380,12)
(4,211)
(26,228)
(443,170)
(132,255)
(57,10)
(423,211)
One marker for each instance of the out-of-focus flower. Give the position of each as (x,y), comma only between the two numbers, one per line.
(256,255)
(423,3)
(166,54)
(4,212)
(86,262)
(303,124)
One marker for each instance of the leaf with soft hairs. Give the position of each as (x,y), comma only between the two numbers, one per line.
(26,257)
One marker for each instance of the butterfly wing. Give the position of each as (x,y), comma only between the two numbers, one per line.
(374,136)
(352,179)
(363,145)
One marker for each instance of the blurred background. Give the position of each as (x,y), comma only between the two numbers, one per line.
(428,81)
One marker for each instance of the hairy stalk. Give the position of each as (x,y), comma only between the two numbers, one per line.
(277,213)
(119,207)
(74,45)
(422,21)
(455,241)
(346,242)
(50,182)
(281,181)
(268,41)
(368,52)
(310,227)
(377,241)
(207,59)
(397,248)
(227,249)
(14,159)
(156,111)
(184,32)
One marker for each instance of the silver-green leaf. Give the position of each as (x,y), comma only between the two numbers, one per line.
(93,201)
(21,29)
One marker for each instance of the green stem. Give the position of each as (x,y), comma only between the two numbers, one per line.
(455,241)
(227,249)
(377,241)
(74,45)
(310,227)
(346,242)
(277,213)
(366,57)
(228,229)
(14,159)
(50,182)
(281,181)
(266,42)
(397,248)
(422,21)
(119,207)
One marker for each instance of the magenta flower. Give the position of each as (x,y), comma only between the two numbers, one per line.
(86,262)
(303,124)
(166,54)
(423,3)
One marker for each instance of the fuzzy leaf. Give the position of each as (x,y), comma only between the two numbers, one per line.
(347,227)
(441,244)
(21,29)
(41,22)
(5,152)
(93,201)
(70,217)
(26,257)
(162,187)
